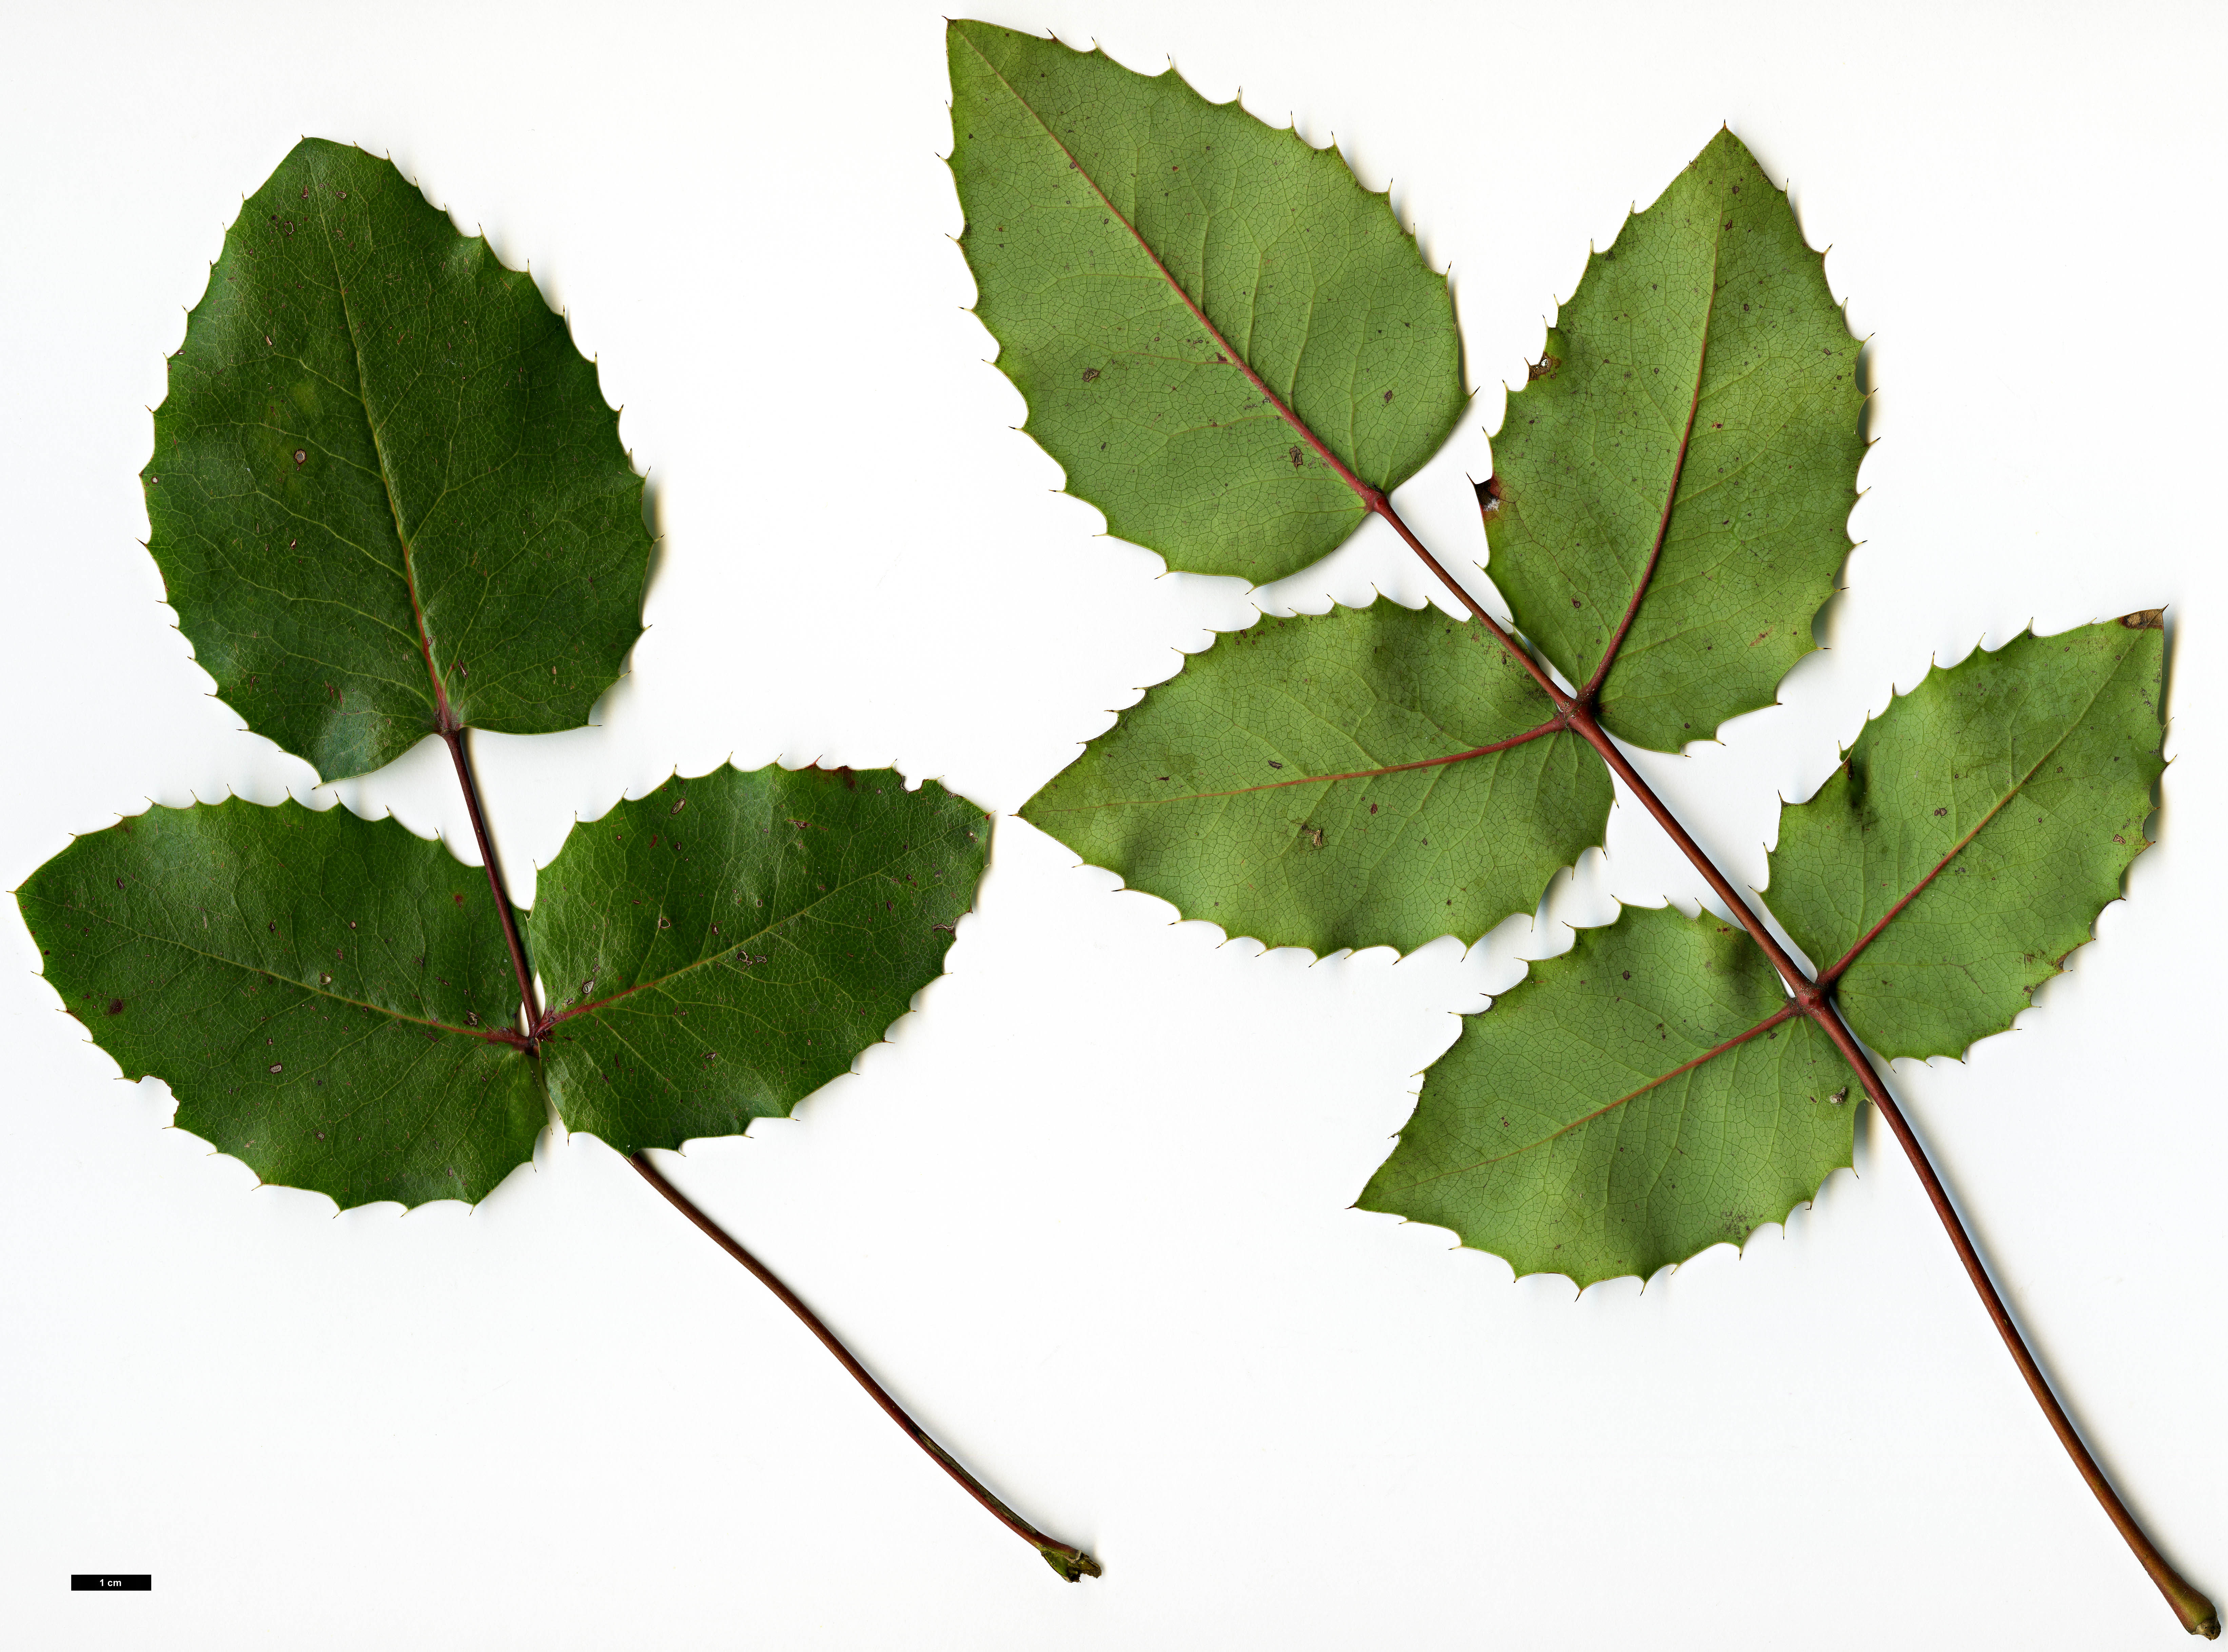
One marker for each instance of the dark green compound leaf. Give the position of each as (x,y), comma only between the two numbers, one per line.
(1332,782)
(1684,460)
(1646,1095)
(386,495)
(1974,832)
(719,949)
(331,1000)
(322,994)
(1166,279)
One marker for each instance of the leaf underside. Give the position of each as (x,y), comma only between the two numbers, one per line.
(1304,781)
(1137,249)
(1691,444)
(1668,514)
(1607,1117)
(327,996)
(1974,832)
(385,482)
(1601,1118)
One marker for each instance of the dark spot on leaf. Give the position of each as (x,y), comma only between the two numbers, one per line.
(1089,373)
(301,456)
(116,1005)
(2145,620)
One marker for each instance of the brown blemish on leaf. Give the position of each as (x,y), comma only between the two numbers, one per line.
(1543,369)
(1489,497)
(2145,620)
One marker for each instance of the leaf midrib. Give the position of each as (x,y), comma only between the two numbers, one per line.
(1237,358)
(1826,978)
(1770,1022)
(285,981)
(387,479)
(1671,500)
(1551,726)
(698,963)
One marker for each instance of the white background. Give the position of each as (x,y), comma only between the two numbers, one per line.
(1088,1210)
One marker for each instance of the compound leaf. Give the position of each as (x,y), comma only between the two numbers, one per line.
(386,495)
(332,1000)
(1974,832)
(721,948)
(1645,1095)
(1684,460)
(1160,273)
(324,995)
(1329,782)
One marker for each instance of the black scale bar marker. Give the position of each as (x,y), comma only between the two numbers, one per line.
(110,1580)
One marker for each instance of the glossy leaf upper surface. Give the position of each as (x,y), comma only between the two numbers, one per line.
(332,1000)
(1623,1107)
(721,948)
(1317,782)
(1974,832)
(385,482)
(320,992)
(1690,442)
(1134,245)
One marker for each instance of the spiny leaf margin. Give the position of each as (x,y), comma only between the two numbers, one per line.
(322,994)
(725,945)
(1939,847)
(1677,453)
(1627,1105)
(1200,795)
(1226,485)
(386,495)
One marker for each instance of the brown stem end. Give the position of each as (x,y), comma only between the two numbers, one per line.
(2198,1613)
(1074,1564)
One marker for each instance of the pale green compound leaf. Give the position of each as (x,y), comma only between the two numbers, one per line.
(386,495)
(1685,460)
(1327,782)
(1974,832)
(1645,1095)
(1156,268)
(1668,514)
